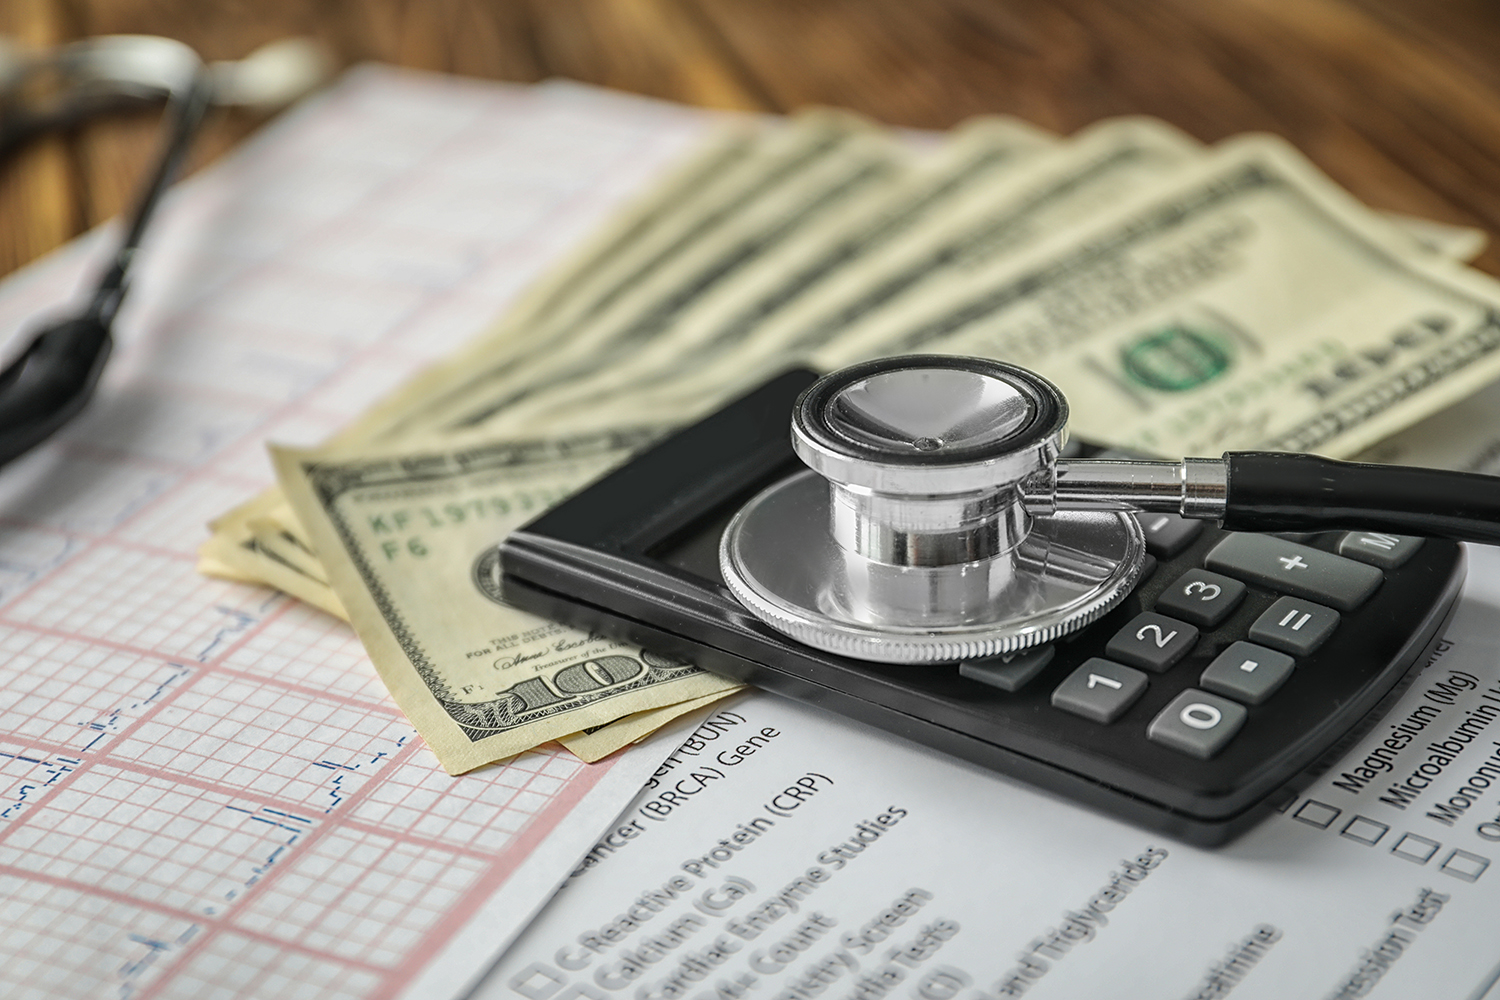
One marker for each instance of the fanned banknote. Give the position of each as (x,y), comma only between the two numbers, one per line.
(1187,299)
(409,545)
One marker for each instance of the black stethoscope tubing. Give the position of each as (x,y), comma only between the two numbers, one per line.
(52,379)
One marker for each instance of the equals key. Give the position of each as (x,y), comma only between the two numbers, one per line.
(1294,626)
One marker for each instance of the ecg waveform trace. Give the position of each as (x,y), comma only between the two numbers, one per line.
(204,790)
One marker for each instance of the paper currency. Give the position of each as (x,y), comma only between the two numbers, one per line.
(733,321)
(596,744)
(1247,303)
(1187,300)
(1464,437)
(1044,194)
(816,167)
(408,543)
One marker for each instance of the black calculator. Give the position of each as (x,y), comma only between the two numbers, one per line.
(1238,669)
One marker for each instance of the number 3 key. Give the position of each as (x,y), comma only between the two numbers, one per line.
(1201,597)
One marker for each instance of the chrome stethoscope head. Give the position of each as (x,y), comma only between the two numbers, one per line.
(938,521)
(912,538)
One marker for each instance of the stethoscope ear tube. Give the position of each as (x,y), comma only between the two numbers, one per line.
(1270,491)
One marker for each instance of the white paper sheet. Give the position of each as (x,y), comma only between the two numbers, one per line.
(204,790)
(790,855)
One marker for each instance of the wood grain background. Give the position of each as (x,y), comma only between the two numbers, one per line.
(1399,100)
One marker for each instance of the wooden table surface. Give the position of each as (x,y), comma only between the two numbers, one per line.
(1399,100)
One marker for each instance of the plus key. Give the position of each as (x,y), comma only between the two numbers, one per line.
(1295,569)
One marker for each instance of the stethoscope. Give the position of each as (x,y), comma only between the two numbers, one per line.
(937,520)
(52,378)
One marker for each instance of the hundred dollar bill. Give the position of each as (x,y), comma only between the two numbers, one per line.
(642,319)
(408,543)
(598,743)
(1442,238)
(575,279)
(1044,195)
(1464,437)
(244,559)
(775,190)
(1249,303)
(720,322)
(1047,199)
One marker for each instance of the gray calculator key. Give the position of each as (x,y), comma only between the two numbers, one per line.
(1168,534)
(1295,569)
(1099,690)
(1294,626)
(1151,641)
(1197,723)
(1378,548)
(1201,597)
(1247,673)
(1008,673)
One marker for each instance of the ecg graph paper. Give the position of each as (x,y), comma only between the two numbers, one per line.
(204,790)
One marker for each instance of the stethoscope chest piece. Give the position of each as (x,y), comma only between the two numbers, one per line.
(909,539)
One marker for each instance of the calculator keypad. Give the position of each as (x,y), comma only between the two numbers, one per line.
(1008,673)
(1378,548)
(1168,534)
(1249,656)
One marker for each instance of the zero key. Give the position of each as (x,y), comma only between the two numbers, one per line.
(1197,723)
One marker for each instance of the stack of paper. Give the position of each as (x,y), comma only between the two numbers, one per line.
(204,788)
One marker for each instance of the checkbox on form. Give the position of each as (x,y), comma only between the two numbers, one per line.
(1418,850)
(1318,814)
(1462,864)
(1364,831)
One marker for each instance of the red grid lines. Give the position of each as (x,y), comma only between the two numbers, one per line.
(362,896)
(483,814)
(64,942)
(313,650)
(308,754)
(141,600)
(257,819)
(152,840)
(71,694)
(235,967)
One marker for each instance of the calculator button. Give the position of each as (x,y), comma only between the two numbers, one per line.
(1168,534)
(1197,723)
(1151,641)
(1099,690)
(1294,626)
(1008,673)
(1295,569)
(1378,548)
(1201,597)
(1148,566)
(1247,673)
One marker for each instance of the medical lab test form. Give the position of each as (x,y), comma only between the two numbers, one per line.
(785,854)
